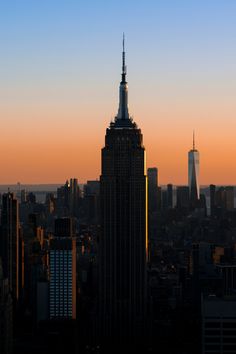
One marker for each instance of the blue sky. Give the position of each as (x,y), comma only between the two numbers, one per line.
(60,66)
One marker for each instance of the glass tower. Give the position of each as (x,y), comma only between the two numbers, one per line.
(193,175)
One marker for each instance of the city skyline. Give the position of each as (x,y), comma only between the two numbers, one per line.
(117,216)
(57,99)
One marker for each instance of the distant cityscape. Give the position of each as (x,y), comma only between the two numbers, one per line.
(119,264)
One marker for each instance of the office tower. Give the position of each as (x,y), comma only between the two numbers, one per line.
(92,202)
(123,241)
(193,175)
(182,197)
(64,227)
(92,187)
(228,275)
(74,197)
(218,325)
(229,198)
(212,198)
(10,241)
(170,196)
(62,273)
(164,202)
(42,300)
(63,200)
(50,203)
(152,174)
(23,196)
(21,264)
(31,198)
(224,198)
(6,325)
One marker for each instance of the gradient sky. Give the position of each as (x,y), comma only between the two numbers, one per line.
(60,67)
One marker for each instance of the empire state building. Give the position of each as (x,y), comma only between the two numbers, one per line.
(123,242)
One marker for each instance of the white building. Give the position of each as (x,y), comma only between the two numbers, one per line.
(193,175)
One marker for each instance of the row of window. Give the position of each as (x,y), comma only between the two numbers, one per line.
(220,324)
(217,332)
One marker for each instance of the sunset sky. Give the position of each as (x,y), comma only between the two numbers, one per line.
(60,68)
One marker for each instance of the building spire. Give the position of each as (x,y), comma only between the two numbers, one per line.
(123,111)
(193,140)
(123,61)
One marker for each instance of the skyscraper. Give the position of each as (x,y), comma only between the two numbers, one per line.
(6,325)
(62,269)
(74,196)
(212,198)
(170,195)
(152,174)
(10,241)
(123,242)
(193,175)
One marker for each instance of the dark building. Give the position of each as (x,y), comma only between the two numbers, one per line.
(64,227)
(170,196)
(212,198)
(228,274)
(218,325)
(164,200)
(152,174)
(92,201)
(183,197)
(92,188)
(225,197)
(6,315)
(123,241)
(74,196)
(167,197)
(31,198)
(10,241)
(63,200)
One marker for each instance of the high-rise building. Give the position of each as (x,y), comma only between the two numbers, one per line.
(63,200)
(74,196)
(23,196)
(123,241)
(92,201)
(182,194)
(193,175)
(10,241)
(6,312)
(164,202)
(218,325)
(228,274)
(212,198)
(224,198)
(62,271)
(170,195)
(64,227)
(152,174)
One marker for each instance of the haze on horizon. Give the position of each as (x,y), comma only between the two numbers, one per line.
(60,73)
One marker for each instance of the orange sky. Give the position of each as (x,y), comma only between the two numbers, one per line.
(60,78)
(50,143)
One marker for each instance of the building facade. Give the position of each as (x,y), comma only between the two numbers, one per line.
(10,242)
(193,175)
(218,325)
(123,241)
(62,271)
